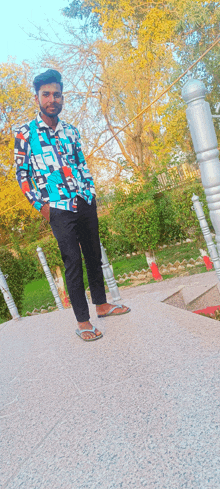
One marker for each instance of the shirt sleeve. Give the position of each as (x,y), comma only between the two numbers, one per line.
(82,165)
(22,153)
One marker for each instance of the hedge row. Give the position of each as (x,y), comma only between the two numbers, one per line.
(136,225)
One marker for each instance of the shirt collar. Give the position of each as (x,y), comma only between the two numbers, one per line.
(42,124)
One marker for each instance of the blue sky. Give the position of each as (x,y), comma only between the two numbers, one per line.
(16,15)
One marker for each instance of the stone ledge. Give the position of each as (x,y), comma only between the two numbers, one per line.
(42,310)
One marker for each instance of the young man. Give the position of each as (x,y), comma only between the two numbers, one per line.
(48,153)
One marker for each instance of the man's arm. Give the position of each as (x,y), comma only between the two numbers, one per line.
(82,165)
(24,172)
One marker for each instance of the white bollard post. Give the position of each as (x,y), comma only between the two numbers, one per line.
(109,277)
(49,278)
(197,206)
(8,297)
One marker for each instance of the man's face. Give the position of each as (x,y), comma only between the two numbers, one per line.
(50,99)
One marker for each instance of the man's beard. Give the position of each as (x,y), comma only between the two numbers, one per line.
(49,114)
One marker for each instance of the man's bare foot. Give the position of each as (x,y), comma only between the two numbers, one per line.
(86,335)
(103,310)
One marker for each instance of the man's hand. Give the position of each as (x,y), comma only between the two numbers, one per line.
(45,211)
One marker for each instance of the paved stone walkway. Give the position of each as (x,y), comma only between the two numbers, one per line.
(139,408)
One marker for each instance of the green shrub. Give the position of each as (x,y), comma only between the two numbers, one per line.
(28,262)
(105,233)
(185,217)
(11,268)
(172,217)
(137,227)
(109,238)
(168,225)
(136,194)
(30,267)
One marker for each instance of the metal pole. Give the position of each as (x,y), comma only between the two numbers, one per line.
(8,297)
(206,233)
(206,147)
(109,277)
(49,278)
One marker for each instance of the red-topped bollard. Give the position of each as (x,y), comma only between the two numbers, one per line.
(153,266)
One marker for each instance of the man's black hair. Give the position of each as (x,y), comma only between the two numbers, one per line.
(49,76)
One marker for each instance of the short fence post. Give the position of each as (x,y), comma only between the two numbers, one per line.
(197,206)
(8,297)
(206,147)
(49,278)
(109,277)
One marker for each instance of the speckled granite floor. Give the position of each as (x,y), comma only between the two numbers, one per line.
(138,408)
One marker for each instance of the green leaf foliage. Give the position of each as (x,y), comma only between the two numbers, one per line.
(169,228)
(28,261)
(105,234)
(138,226)
(11,268)
(184,216)
(140,220)
(51,251)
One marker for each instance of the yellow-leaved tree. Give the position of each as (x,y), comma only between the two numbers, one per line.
(154,42)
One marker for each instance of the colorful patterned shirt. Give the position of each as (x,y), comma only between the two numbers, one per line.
(51,167)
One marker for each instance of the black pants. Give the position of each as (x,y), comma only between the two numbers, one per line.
(71,229)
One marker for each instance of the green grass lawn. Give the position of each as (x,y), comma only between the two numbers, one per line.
(37,294)
(126,265)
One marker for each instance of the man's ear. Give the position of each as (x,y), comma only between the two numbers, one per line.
(36,99)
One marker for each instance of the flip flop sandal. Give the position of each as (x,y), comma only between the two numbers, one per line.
(80,331)
(111,313)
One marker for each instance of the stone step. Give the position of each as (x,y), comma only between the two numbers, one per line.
(193,292)
(176,300)
(209,298)
(194,297)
